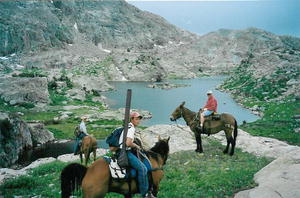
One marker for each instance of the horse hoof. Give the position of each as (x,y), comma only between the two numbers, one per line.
(198,151)
(225,152)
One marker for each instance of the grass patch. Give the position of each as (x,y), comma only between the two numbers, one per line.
(187,174)
(43,180)
(41,116)
(278,122)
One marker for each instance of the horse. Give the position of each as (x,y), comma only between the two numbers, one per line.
(226,122)
(96,180)
(88,145)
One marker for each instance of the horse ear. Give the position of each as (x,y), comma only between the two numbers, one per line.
(168,139)
(182,104)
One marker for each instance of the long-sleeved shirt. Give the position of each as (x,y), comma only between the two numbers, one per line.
(211,104)
(83,128)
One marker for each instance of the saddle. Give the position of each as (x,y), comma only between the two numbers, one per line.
(213,116)
(118,173)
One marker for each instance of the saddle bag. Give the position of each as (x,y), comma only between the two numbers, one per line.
(115,170)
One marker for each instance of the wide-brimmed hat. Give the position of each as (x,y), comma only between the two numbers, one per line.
(209,92)
(135,114)
(84,118)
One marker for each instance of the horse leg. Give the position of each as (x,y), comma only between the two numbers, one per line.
(231,141)
(80,154)
(232,146)
(94,153)
(199,143)
(227,146)
(87,156)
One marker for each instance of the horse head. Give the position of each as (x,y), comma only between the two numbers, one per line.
(177,113)
(162,148)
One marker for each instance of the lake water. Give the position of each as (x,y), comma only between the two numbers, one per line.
(161,103)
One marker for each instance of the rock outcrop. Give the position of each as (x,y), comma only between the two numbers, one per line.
(181,138)
(39,134)
(16,136)
(281,178)
(24,90)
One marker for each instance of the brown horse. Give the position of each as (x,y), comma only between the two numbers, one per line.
(96,180)
(226,122)
(88,145)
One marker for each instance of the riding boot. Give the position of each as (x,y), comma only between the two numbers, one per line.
(149,195)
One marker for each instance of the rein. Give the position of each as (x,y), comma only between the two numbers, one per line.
(146,157)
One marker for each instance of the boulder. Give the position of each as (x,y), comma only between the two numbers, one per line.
(15,136)
(257,145)
(24,90)
(117,114)
(181,137)
(39,134)
(91,83)
(281,178)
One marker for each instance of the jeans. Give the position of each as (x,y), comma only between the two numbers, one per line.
(78,139)
(141,172)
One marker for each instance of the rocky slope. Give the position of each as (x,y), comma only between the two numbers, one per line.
(270,67)
(113,40)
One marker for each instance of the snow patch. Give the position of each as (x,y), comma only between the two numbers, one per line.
(75,26)
(3,58)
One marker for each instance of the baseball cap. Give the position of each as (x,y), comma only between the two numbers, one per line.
(135,115)
(209,92)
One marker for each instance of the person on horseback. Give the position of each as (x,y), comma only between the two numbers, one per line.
(209,108)
(134,161)
(82,133)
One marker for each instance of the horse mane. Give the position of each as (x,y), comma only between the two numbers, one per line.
(189,111)
(161,148)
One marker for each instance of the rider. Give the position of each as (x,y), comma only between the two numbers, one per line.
(209,108)
(83,133)
(134,162)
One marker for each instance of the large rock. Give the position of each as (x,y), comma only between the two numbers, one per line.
(281,178)
(15,136)
(39,134)
(181,137)
(91,83)
(257,145)
(117,114)
(24,90)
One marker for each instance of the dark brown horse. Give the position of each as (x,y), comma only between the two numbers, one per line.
(96,180)
(226,122)
(88,145)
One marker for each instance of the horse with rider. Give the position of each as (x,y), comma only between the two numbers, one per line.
(208,121)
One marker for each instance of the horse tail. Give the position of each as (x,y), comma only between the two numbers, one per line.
(235,132)
(71,178)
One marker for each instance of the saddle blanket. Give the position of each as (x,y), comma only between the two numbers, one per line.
(121,173)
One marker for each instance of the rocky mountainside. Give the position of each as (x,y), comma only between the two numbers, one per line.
(92,42)
(269,67)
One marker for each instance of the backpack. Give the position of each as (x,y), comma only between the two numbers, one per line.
(113,139)
(77,131)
